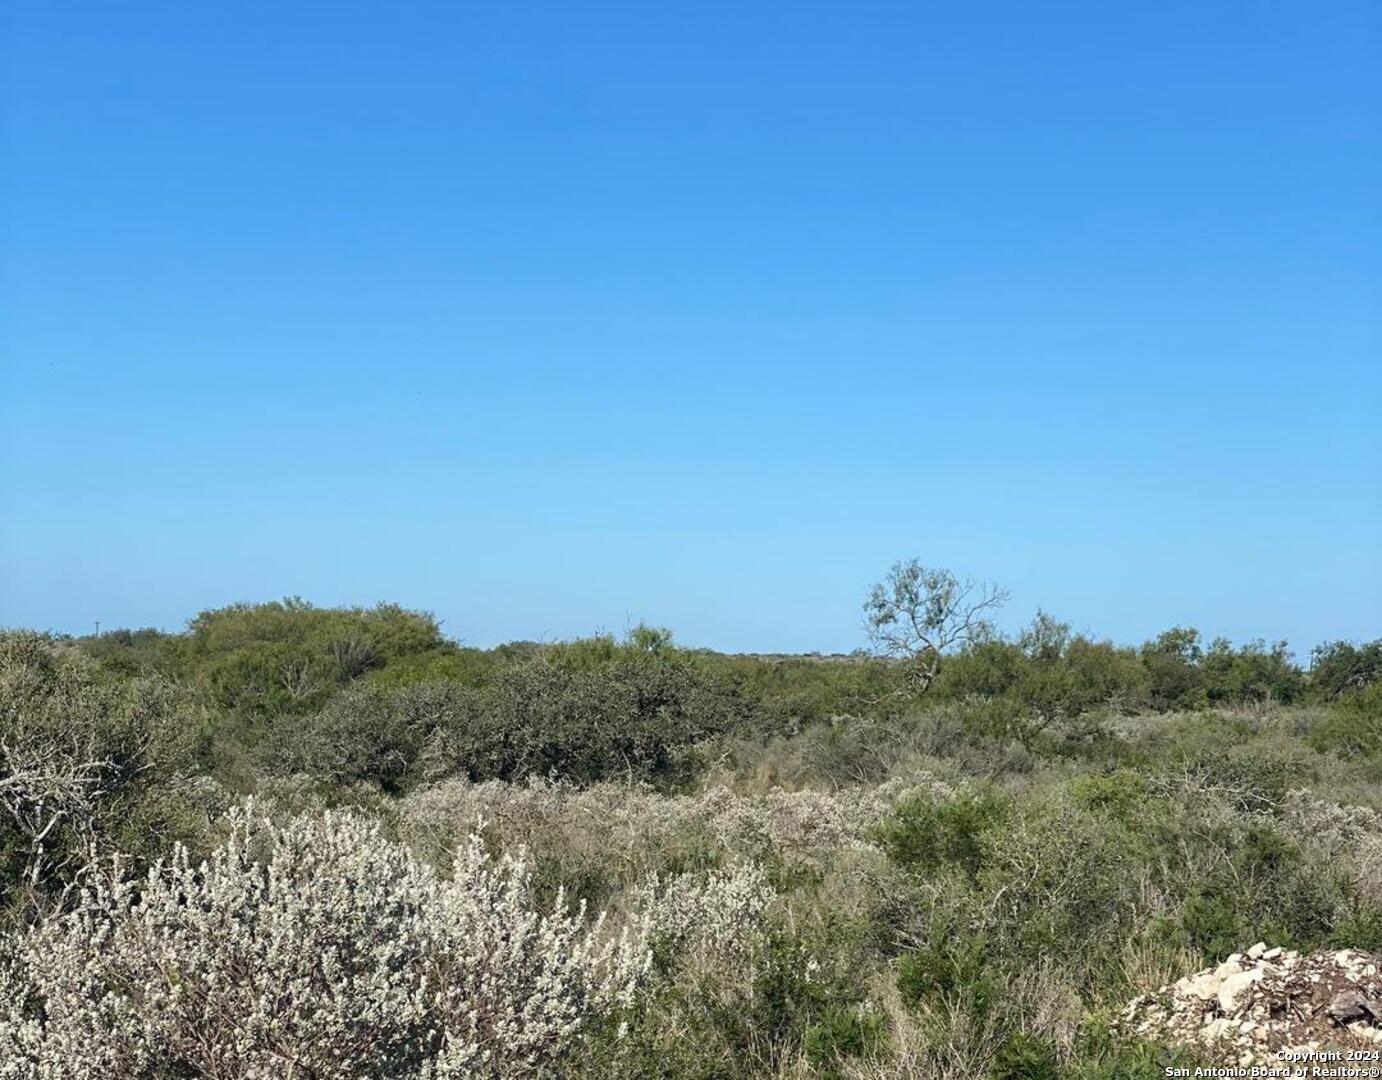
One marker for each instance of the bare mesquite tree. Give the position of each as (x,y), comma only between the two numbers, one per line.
(918,614)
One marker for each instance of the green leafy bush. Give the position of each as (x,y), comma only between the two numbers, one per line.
(924,833)
(1354,727)
(81,758)
(1061,879)
(1023,1055)
(1339,667)
(1359,929)
(377,734)
(951,968)
(1252,672)
(1122,795)
(1172,662)
(1100,1056)
(289,657)
(842,1033)
(1211,925)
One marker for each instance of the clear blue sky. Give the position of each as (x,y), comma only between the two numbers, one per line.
(555,317)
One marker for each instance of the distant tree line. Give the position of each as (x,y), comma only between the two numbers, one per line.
(381,695)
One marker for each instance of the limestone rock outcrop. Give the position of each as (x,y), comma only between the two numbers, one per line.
(1257,1004)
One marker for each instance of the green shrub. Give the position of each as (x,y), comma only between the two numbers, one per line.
(1101,1056)
(842,1033)
(376,734)
(1061,880)
(786,999)
(1252,781)
(783,1002)
(1252,673)
(1266,891)
(1354,727)
(84,762)
(1105,674)
(1025,1056)
(1211,925)
(1011,718)
(987,669)
(1360,929)
(953,969)
(924,833)
(1339,667)
(128,653)
(288,657)
(1121,795)
(1172,663)
(1046,676)
(583,711)
(469,667)
(632,713)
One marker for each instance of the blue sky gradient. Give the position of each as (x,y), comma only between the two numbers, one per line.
(552,318)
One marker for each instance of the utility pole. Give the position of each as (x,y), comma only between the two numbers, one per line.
(98,627)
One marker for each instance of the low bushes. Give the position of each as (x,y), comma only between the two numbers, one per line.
(924,833)
(583,714)
(314,947)
(1354,727)
(86,764)
(288,657)
(959,888)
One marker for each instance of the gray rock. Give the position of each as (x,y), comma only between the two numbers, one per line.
(1349,1006)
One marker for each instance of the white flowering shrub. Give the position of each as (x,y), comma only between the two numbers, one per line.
(315,949)
(1352,835)
(694,917)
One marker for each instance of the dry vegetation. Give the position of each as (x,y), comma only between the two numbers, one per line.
(328,844)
